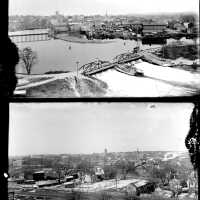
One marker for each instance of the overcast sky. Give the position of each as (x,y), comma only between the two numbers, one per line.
(88,7)
(92,127)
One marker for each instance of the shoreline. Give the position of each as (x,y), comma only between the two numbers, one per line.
(81,40)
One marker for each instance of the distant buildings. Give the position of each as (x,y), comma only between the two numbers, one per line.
(17,163)
(60,29)
(57,19)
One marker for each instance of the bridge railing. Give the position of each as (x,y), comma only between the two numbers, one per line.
(99,65)
(89,67)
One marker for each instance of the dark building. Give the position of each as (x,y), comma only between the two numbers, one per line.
(153,28)
(38,176)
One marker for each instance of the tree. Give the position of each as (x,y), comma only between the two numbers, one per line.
(164,173)
(85,166)
(190,18)
(158,174)
(110,172)
(28,58)
(125,167)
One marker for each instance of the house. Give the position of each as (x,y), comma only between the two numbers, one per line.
(39,175)
(179,27)
(75,26)
(186,24)
(141,186)
(46,183)
(70,184)
(99,172)
(87,179)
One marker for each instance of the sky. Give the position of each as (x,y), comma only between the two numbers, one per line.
(89,7)
(61,128)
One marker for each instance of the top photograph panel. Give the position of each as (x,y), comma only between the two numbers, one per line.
(106,48)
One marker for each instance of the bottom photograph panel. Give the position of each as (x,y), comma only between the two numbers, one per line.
(100,151)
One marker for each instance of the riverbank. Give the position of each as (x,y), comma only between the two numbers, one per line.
(61,86)
(173,51)
(75,39)
(157,81)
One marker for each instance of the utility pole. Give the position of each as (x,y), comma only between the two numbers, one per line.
(77,62)
(97,62)
(163,51)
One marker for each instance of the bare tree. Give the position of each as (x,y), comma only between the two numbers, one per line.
(28,58)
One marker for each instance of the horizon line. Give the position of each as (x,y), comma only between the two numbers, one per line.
(43,154)
(130,14)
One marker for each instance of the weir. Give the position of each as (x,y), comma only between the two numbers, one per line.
(99,66)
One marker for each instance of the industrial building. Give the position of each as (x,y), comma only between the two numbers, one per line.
(38,176)
(153,28)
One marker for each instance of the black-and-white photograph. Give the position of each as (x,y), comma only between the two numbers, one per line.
(106,48)
(100,151)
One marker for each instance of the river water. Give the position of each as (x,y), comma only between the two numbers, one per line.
(55,55)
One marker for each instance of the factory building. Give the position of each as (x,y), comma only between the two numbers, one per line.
(153,28)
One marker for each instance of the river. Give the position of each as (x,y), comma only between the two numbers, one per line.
(55,55)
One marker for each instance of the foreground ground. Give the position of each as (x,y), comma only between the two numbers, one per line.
(105,190)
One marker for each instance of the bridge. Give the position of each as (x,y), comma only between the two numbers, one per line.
(95,67)
(99,65)
(29,35)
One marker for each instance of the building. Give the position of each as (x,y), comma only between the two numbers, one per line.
(75,26)
(57,19)
(29,35)
(153,28)
(99,172)
(69,184)
(47,183)
(17,163)
(140,187)
(38,176)
(87,179)
(179,27)
(60,29)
